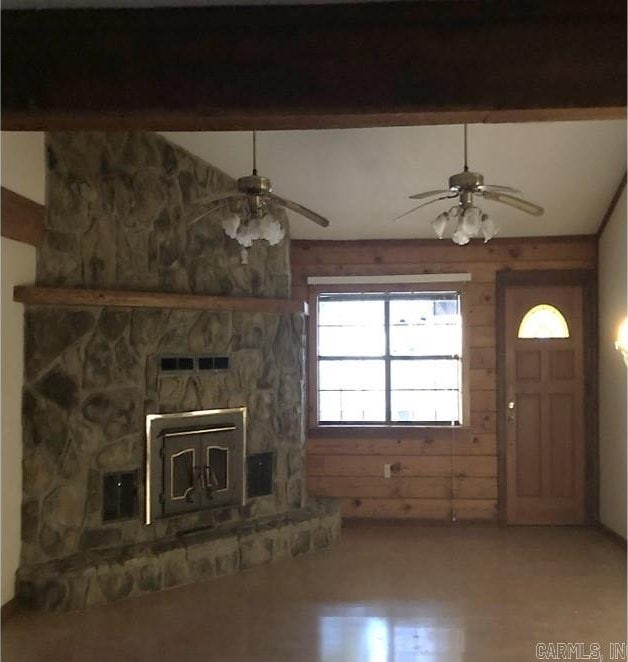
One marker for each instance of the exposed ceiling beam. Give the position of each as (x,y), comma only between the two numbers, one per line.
(314,66)
(22,219)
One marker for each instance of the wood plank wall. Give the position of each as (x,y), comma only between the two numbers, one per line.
(421,485)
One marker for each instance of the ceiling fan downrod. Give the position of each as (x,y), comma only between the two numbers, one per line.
(255,152)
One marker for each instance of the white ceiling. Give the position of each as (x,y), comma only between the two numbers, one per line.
(360,179)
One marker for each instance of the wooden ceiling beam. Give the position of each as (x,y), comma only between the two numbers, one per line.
(314,66)
(22,219)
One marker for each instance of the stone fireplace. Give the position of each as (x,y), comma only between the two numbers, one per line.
(126,405)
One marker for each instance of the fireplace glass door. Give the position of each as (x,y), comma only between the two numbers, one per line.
(196,468)
(197,462)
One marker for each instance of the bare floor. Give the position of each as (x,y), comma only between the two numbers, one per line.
(386,593)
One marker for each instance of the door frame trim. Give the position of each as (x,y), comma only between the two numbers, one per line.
(587,279)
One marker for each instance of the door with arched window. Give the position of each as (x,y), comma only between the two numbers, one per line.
(544,404)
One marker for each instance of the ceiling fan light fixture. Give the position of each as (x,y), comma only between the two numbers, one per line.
(470,221)
(252,229)
(254,197)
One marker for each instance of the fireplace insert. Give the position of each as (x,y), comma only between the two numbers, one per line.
(194,461)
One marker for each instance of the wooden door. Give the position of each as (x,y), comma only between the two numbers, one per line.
(544,401)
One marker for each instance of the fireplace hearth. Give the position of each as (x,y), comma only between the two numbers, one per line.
(194,461)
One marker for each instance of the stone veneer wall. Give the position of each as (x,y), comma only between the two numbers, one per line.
(91,376)
(116,218)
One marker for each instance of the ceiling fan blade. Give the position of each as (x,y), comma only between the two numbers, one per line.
(300,209)
(518,203)
(429,194)
(495,187)
(210,205)
(423,204)
(231,195)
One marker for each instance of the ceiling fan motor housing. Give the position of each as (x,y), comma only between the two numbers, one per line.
(466,181)
(254,185)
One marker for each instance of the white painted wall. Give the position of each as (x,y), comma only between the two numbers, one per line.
(613,373)
(23,171)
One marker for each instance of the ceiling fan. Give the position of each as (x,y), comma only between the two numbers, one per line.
(470,221)
(256,192)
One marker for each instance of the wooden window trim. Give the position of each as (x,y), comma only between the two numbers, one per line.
(385,430)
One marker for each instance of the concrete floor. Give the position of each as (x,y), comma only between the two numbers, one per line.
(387,593)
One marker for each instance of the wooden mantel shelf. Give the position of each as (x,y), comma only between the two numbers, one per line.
(60,296)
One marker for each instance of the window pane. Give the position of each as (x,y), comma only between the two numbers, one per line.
(425,309)
(351,328)
(425,340)
(416,374)
(367,375)
(365,406)
(350,313)
(351,341)
(424,327)
(543,321)
(439,406)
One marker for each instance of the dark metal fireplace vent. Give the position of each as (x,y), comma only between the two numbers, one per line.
(194,461)
(169,365)
(259,474)
(119,495)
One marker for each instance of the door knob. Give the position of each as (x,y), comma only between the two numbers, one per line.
(510,417)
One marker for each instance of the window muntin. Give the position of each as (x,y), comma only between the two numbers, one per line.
(386,358)
(543,321)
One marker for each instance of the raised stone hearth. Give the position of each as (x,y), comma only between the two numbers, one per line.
(116,218)
(99,576)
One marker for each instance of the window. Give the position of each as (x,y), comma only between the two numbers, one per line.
(543,321)
(389,358)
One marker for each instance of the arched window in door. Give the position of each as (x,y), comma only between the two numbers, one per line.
(543,321)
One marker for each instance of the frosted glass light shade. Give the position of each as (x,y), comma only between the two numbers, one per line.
(471,221)
(460,237)
(246,231)
(271,230)
(230,225)
(489,228)
(439,224)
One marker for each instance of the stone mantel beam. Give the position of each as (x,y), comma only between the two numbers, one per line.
(61,296)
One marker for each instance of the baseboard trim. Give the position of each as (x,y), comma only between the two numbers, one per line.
(613,536)
(8,610)
(353,522)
